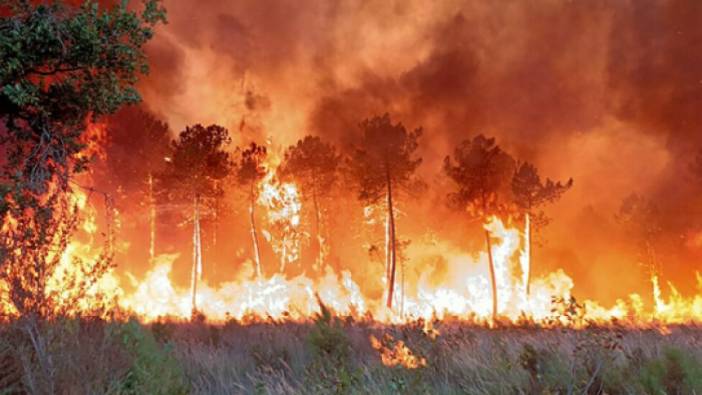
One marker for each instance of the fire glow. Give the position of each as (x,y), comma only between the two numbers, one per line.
(276,296)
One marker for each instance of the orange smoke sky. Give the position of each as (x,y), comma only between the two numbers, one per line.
(608,93)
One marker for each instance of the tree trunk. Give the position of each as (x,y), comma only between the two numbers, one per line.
(152,219)
(393,252)
(319,261)
(493,281)
(527,225)
(197,254)
(402,288)
(254,235)
(283,253)
(387,247)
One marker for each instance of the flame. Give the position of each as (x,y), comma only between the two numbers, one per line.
(394,353)
(282,201)
(463,294)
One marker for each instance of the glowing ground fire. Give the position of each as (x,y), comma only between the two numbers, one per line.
(276,297)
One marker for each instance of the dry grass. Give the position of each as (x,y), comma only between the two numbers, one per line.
(335,356)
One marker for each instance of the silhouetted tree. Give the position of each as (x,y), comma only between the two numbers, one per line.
(382,162)
(136,148)
(249,173)
(198,161)
(642,219)
(529,193)
(481,172)
(313,165)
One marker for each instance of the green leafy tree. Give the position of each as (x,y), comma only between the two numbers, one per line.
(199,161)
(481,172)
(381,163)
(530,193)
(313,165)
(249,174)
(61,65)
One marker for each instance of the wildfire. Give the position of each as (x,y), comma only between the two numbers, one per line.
(282,201)
(394,353)
(465,295)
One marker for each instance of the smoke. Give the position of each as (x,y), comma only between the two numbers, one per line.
(606,92)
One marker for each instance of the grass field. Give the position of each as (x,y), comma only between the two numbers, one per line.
(336,355)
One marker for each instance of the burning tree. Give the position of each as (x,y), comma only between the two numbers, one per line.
(481,172)
(641,217)
(61,66)
(198,162)
(137,144)
(382,162)
(313,164)
(529,193)
(249,173)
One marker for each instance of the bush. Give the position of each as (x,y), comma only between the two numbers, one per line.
(154,370)
(330,370)
(675,372)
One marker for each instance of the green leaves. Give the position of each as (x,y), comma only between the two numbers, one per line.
(61,66)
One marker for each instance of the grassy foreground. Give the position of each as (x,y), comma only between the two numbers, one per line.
(330,355)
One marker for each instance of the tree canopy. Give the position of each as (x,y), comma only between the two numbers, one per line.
(312,163)
(481,171)
(384,154)
(198,160)
(530,192)
(62,65)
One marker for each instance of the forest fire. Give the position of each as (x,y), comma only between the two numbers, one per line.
(276,296)
(350,197)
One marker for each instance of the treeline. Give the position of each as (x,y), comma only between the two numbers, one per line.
(197,167)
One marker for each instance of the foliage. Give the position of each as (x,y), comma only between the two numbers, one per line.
(675,372)
(481,171)
(381,163)
(250,169)
(88,356)
(154,369)
(137,145)
(331,351)
(32,256)
(384,155)
(198,161)
(313,164)
(60,66)
(529,191)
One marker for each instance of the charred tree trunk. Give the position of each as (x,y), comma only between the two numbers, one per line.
(392,249)
(493,281)
(152,218)
(387,247)
(318,229)
(197,254)
(254,235)
(527,225)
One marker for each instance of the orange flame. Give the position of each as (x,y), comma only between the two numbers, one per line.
(394,353)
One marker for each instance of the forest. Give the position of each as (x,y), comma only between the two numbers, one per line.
(250,197)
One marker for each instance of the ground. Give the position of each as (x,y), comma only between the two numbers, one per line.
(344,355)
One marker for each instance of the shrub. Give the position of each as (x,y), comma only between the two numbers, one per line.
(330,370)
(154,370)
(675,372)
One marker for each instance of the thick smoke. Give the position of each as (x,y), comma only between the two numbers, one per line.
(606,92)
